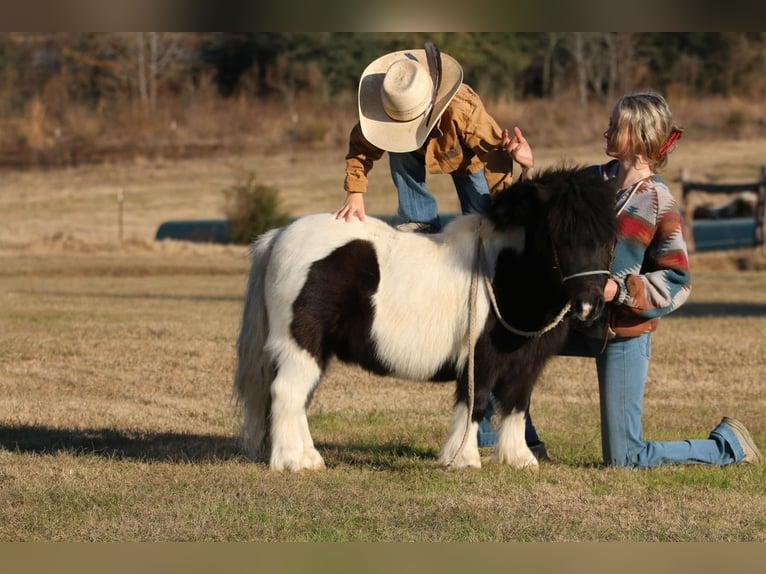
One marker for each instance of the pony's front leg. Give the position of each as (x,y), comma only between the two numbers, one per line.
(291,445)
(511,447)
(451,455)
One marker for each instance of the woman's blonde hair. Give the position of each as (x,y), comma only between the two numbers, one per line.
(645,121)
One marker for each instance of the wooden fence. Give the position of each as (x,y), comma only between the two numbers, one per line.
(724,233)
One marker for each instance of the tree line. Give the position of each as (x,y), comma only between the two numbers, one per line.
(144,67)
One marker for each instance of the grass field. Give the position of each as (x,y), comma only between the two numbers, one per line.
(116,358)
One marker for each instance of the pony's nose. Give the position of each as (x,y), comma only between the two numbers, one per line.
(587,310)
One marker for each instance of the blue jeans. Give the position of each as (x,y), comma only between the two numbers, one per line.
(408,170)
(488,436)
(622,369)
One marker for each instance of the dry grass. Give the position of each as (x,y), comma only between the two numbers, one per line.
(117,425)
(116,362)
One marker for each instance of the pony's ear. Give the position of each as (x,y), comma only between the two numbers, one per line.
(516,206)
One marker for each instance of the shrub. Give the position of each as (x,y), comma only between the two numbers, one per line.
(252,208)
(310,133)
(736,120)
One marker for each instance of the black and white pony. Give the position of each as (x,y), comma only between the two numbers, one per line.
(400,304)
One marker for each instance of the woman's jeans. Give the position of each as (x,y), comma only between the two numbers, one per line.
(622,369)
(408,170)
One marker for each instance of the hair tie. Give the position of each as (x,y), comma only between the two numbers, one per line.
(675,134)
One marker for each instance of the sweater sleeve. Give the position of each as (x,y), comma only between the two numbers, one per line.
(651,263)
(361,155)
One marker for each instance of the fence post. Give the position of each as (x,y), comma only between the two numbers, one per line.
(687,212)
(759,208)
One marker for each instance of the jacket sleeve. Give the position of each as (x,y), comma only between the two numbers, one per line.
(359,160)
(483,136)
(660,281)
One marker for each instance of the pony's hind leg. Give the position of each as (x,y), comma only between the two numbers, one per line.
(255,368)
(511,447)
(451,455)
(291,445)
(252,386)
(255,406)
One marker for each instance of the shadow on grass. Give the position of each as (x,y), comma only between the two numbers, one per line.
(158,296)
(384,456)
(197,448)
(721,309)
(183,447)
(119,444)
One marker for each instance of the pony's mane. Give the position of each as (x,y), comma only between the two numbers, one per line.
(580,204)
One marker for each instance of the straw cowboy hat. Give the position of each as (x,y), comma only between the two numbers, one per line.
(396,92)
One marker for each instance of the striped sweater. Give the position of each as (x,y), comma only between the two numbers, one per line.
(651,265)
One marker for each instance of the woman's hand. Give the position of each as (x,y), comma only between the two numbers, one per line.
(610,290)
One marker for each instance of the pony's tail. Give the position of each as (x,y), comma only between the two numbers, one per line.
(255,370)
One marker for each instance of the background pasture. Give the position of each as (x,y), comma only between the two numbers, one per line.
(116,358)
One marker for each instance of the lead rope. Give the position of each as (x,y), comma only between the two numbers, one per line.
(471,344)
(491,293)
(481,264)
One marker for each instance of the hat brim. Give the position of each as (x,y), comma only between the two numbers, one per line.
(391,135)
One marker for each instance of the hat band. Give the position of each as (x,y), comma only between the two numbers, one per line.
(406,115)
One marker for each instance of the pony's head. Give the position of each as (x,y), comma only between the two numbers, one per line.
(570,229)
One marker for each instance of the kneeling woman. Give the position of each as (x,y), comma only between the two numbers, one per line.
(650,278)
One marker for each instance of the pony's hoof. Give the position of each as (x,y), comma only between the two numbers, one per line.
(531,465)
(307,460)
(462,462)
(312,460)
(522,463)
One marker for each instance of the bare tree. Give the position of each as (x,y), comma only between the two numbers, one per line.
(624,63)
(581,66)
(550,77)
(604,63)
(143,93)
(157,55)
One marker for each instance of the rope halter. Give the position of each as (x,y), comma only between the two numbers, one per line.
(584,273)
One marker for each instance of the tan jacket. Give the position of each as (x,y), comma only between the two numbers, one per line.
(465,140)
